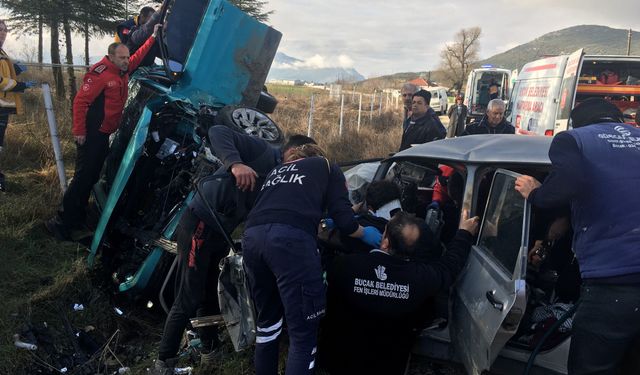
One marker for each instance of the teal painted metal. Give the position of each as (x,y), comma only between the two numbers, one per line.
(131,155)
(227,64)
(230,58)
(139,281)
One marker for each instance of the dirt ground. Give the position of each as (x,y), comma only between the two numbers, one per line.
(422,366)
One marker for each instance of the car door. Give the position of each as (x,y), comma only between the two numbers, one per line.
(489,298)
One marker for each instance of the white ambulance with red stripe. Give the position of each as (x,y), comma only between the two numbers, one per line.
(546,90)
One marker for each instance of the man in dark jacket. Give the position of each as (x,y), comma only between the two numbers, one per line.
(421,127)
(376,301)
(124,29)
(457,117)
(97,110)
(596,170)
(140,33)
(231,192)
(407,91)
(493,121)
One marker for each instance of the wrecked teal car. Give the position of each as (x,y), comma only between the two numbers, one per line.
(215,60)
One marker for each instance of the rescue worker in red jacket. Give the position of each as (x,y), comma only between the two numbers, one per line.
(97,110)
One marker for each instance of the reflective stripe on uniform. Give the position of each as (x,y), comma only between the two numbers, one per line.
(262,340)
(272,328)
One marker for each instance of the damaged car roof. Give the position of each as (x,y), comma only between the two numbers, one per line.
(484,148)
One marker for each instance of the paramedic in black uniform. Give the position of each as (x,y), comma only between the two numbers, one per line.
(376,301)
(201,246)
(281,257)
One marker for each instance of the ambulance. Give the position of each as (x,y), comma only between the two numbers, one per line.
(546,90)
(476,94)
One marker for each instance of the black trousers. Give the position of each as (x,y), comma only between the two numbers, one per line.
(90,157)
(4,121)
(200,249)
(604,328)
(282,265)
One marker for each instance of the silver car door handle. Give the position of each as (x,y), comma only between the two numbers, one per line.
(491,296)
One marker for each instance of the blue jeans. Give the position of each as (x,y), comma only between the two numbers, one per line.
(604,328)
(282,264)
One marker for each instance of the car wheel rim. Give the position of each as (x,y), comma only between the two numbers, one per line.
(256,124)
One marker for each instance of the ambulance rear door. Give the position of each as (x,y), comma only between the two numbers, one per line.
(568,90)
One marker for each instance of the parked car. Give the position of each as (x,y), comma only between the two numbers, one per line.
(476,94)
(215,60)
(546,90)
(439,100)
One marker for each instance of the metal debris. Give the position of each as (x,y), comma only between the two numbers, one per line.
(23,345)
(183,370)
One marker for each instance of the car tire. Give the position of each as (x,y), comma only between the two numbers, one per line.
(267,103)
(251,121)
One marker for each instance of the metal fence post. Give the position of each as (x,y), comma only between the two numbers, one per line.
(310,117)
(359,112)
(55,140)
(341,114)
(373,99)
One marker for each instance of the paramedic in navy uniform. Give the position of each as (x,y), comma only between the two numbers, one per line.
(281,256)
(596,170)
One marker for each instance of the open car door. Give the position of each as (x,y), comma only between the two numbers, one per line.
(489,298)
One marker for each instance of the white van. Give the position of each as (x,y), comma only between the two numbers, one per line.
(476,94)
(439,100)
(546,90)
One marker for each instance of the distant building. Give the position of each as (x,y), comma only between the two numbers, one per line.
(286,82)
(423,83)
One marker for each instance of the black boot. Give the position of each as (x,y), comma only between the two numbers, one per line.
(58,229)
(165,367)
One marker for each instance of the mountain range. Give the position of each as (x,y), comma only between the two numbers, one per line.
(595,39)
(289,68)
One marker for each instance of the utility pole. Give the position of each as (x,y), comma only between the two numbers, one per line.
(629,43)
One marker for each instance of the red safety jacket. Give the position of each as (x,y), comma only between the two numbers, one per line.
(100,100)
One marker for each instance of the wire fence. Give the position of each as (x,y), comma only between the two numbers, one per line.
(347,109)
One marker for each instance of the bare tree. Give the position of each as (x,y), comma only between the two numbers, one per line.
(459,56)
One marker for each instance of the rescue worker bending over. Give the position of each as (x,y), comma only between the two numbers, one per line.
(231,192)
(281,256)
(376,301)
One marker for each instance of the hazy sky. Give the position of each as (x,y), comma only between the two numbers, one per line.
(384,36)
